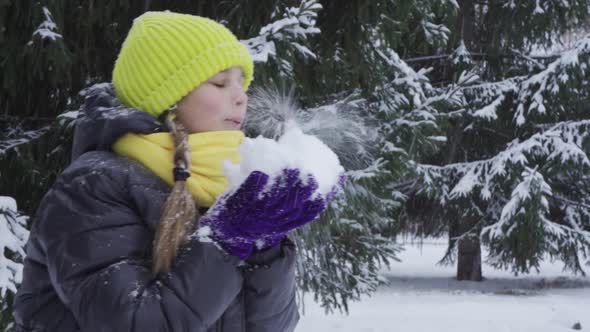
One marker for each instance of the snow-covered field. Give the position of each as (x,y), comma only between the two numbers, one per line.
(422,296)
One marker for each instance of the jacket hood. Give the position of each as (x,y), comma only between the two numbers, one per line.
(103,119)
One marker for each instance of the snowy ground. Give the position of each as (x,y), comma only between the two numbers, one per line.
(422,296)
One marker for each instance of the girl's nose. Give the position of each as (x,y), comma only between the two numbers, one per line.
(240,96)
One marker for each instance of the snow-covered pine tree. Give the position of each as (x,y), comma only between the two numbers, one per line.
(357,72)
(525,113)
(341,254)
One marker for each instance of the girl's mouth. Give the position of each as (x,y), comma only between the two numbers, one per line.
(236,123)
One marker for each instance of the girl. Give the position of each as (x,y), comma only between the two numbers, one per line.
(113,249)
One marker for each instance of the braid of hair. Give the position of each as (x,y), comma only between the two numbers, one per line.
(179,210)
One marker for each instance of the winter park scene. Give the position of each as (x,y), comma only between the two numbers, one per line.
(295,165)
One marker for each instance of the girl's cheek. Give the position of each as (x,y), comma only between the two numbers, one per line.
(213,103)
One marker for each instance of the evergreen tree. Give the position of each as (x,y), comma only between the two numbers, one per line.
(514,172)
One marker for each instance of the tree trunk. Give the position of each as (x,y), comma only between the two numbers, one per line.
(469,249)
(469,259)
(466,22)
(468,246)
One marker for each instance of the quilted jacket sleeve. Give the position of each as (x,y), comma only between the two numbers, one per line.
(269,290)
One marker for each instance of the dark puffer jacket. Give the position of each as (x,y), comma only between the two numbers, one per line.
(89,253)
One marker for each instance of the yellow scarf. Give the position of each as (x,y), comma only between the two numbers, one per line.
(208,150)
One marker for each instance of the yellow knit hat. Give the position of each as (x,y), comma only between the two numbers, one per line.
(166,55)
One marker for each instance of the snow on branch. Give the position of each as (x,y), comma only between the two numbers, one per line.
(17,137)
(414,81)
(491,95)
(436,34)
(562,143)
(47,29)
(295,25)
(525,216)
(373,170)
(525,219)
(426,113)
(13,236)
(461,55)
(532,185)
(404,94)
(535,90)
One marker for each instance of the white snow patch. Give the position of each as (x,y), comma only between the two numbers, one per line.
(294,150)
(423,297)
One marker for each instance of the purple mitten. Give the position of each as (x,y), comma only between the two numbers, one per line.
(308,211)
(251,215)
(228,210)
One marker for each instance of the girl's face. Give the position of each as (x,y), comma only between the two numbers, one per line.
(217,104)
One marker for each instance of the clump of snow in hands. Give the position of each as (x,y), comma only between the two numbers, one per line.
(293,150)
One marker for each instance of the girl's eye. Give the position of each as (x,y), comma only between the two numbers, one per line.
(218,84)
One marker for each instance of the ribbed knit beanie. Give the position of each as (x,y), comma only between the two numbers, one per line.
(166,55)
